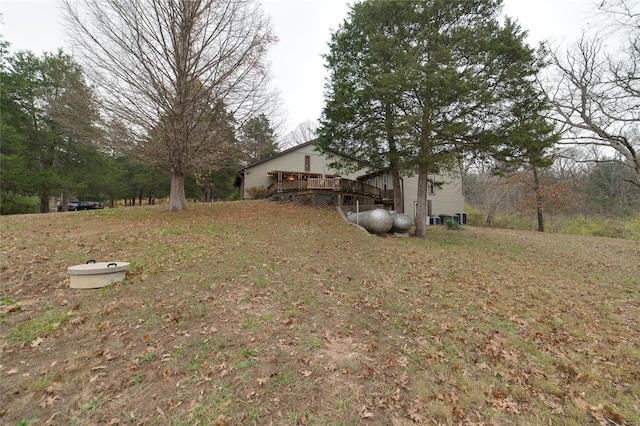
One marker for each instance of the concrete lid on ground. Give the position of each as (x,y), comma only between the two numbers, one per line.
(98,268)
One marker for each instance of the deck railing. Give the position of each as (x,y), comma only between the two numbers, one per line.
(347,185)
(333,184)
(323,183)
(285,186)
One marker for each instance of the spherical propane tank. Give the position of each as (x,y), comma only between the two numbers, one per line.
(379,221)
(402,222)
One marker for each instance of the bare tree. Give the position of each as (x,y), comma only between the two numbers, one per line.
(162,68)
(485,189)
(597,95)
(570,164)
(304,132)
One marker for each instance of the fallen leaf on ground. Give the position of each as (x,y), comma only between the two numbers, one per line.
(36,342)
(49,401)
(365,413)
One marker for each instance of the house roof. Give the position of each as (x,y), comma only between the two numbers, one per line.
(311,142)
(240,172)
(374,173)
(279,154)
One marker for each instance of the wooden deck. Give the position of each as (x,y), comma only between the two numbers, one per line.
(340,185)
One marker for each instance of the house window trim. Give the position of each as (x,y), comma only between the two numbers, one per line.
(431,188)
(307,163)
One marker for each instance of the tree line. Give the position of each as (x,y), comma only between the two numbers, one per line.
(173,101)
(177,98)
(56,145)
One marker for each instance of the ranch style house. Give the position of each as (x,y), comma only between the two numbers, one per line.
(303,174)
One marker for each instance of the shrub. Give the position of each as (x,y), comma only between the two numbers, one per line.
(475,216)
(633,227)
(452,224)
(258,192)
(602,226)
(11,203)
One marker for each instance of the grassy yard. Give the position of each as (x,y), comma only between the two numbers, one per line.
(262,313)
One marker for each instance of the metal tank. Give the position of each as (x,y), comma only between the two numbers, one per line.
(402,222)
(378,221)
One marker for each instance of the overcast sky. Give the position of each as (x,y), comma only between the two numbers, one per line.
(303,28)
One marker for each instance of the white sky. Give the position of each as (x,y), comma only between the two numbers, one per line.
(304,28)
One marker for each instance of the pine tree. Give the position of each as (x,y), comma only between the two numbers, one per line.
(416,85)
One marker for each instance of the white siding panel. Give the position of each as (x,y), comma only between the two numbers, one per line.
(448,199)
(256,176)
(410,185)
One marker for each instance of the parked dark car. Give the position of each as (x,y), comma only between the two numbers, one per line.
(89,205)
(73,206)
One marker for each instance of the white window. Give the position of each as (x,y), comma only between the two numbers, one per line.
(431,186)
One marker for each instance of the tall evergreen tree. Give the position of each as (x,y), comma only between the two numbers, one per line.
(416,84)
(528,141)
(49,116)
(258,139)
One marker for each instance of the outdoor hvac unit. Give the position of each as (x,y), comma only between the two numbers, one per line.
(434,220)
(461,218)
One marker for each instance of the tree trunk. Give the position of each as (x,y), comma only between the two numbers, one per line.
(494,203)
(489,220)
(398,196)
(177,199)
(421,213)
(44,204)
(537,189)
(206,192)
(64,201)
(540,217)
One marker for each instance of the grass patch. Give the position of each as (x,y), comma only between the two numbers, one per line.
(93,404)
(276,313)
(39,326)
(627,227)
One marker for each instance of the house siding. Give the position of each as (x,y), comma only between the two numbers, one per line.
(293,161)
(447,199)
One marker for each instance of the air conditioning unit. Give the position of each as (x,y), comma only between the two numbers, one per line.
(461,218)
(434,220)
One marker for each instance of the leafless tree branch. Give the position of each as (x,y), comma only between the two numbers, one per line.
(165,68)
(597,94)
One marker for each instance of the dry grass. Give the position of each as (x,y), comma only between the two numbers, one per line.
(263,313)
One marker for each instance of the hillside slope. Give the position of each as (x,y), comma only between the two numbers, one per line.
(265,313)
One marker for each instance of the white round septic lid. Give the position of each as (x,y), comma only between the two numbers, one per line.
(97,268)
